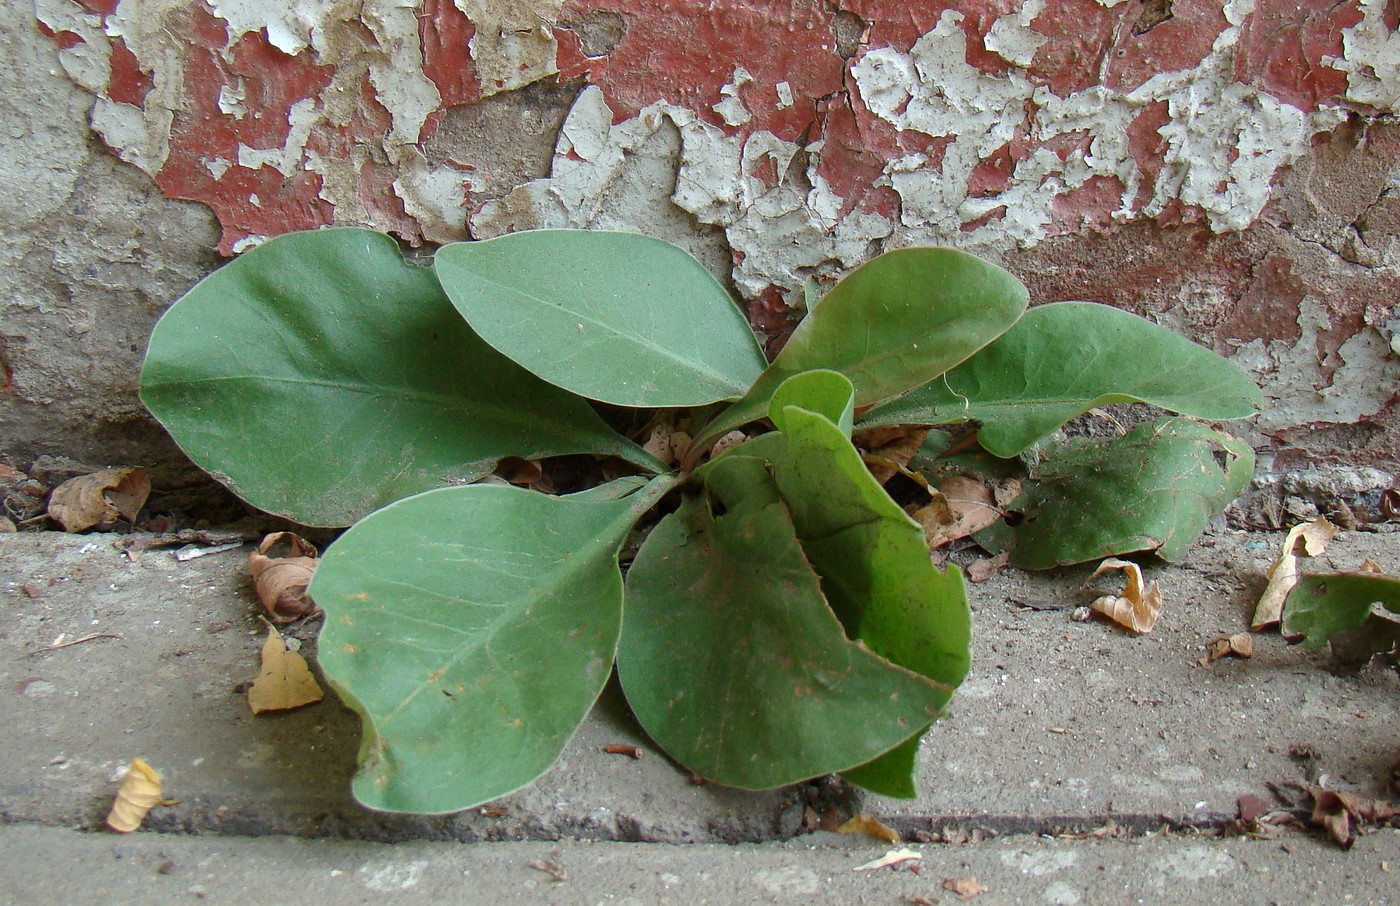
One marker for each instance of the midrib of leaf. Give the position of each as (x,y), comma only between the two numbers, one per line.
(634,339)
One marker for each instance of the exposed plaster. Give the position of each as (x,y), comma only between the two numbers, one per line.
(1298,389)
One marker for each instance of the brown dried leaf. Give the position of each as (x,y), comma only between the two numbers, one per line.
(1241,644)
(6,526)
(893,857)
(981,570)
(871,827)
(524,473)
(961,506)
(889,449)
(1283,573)
(99,499)
(281,582)
(1342,814)
(1371,566)
(285,681)
(1138,607)
(138,794)
(667,443)
(966,888)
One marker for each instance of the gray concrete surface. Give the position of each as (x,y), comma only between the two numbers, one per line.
(1062,726)
(158,868)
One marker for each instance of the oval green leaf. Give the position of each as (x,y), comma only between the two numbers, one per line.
(732,661)
(472,629)
(617,317)
(320,377)
(1319,607)
(828,392)
(893,324)
(1154,489)
(1061,360)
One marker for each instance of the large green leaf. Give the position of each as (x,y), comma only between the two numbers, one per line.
(1319,607)
(875,568)
(1153,489)
(616,317)
(320,377)
(892,324)
(1060,361)
(471,628)
(732,660)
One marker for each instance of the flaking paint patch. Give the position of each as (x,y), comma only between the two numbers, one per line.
(946,127)
(1371,60)
(1301,388)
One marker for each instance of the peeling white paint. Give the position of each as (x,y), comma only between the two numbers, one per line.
(784,91)
(1371,59)
(288,158)
(231,98)
(433,196)
(514,42)
(1291,374)
(287,25)
(1011,36)
(731,108)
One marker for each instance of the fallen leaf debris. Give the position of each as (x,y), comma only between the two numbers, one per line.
(281,581)
(139,793)
(1313,537)
(1137,607)
(285,681)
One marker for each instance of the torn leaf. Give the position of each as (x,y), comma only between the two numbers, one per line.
(1283,573)
(871,827)
(1138,607)
(281,582)
(99,499)
(887,450)
(285,681)
(138,794)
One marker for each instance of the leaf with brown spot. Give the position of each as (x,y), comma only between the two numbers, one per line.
(871,827)
(285,681)
(1283,574)
(281,582)
(138,794)
(99,499)
(1138,607)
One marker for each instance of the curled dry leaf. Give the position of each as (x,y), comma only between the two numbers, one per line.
(1342,814)
(285,681)
(871,827)
(1283,573)
(1371,566)
(138,794)
(1138,607)
(888,449)
(99,499)
(6,526)
(281,582)
(524,473)
(980,571)
(1241,644)
(667,443)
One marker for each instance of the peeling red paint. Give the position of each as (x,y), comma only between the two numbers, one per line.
(1090,205)
(1079,36)
(129,82)
(445,35)
(1179,42)
(686,52)
(1284,45)
(66,40)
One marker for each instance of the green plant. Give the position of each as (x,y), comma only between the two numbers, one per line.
(783,618)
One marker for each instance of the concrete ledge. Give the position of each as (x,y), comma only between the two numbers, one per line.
(1062,724)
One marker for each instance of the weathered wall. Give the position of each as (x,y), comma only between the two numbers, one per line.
(1231,169)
